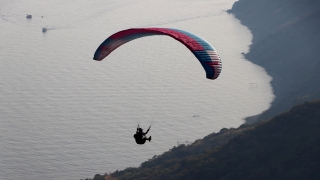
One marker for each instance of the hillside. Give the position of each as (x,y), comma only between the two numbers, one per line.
(285,147)
(286,42)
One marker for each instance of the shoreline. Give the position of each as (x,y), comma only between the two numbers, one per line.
(284,40)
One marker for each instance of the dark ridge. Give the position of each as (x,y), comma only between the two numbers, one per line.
(285,147)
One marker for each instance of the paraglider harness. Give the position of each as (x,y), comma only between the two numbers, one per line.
(140,136)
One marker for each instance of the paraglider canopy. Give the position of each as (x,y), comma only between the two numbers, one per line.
(202,50)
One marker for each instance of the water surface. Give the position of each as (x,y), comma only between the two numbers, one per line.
(65,115)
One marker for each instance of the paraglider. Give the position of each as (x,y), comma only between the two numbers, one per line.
(140,136)
(201,49)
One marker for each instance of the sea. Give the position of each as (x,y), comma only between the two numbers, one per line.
(65,116)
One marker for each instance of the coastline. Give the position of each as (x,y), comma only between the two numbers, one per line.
(285,43)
